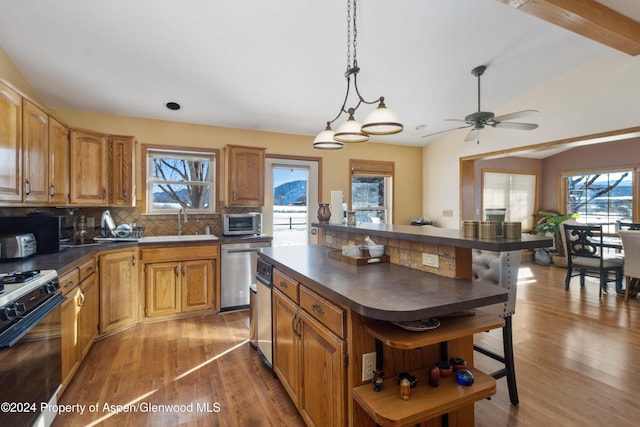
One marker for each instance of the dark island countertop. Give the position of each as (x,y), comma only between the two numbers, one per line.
(381,291)
(441,236)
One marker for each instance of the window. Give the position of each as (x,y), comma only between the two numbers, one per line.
(600,197)
(182,178)
(513,191)
(372,191)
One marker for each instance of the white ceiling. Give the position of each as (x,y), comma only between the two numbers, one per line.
(278,65)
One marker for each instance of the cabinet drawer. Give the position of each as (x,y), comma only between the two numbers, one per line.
(87,268)
(179,253)
(69,281)
(286,285)
(329,314)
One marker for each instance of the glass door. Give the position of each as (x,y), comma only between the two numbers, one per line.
(291,200)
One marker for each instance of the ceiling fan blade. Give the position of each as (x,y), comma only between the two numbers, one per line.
(515,125)
(515,115)
(473,134)
(448,130)
(455,120)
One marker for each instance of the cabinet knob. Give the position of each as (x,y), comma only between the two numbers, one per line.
(317,309)
(133,260)
(124,194)
(104,194)
(52,190)
(27,187)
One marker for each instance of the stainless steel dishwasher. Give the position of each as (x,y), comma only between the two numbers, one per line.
(238,273)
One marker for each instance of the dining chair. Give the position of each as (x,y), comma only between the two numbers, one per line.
(500,269)
(621,225)
(631,248)
(584,244)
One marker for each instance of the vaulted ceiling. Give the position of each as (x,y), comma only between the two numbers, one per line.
(278,66)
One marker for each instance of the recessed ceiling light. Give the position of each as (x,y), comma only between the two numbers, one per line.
(173,106)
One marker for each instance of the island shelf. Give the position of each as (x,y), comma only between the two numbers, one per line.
(426,402)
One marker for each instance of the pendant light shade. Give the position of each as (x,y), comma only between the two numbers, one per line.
(324,140)
(382,121)
(350,131)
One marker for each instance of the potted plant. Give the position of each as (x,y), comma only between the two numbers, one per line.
(549,223)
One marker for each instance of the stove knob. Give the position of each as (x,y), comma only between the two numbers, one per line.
(10,312)
(3,314)
(19,306)
(48,288)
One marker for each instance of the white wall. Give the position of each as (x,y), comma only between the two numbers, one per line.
(601,95)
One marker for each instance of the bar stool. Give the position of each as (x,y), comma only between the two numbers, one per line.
(501,269)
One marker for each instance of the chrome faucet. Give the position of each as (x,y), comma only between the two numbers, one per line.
(182,211)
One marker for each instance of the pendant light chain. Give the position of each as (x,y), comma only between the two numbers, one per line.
(348,35)
(355,34)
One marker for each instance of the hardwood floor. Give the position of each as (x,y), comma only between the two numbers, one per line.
(575,358)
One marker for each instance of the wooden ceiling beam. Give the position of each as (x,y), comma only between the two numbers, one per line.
(587,18)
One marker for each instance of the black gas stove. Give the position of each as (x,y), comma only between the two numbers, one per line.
(17,277)
(23,292)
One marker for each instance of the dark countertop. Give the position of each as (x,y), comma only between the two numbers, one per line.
(441,236)
(381,291)
(62,260)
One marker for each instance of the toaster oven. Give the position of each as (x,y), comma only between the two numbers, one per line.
(241,224)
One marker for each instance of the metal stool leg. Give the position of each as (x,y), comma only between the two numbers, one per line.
(507,342)
(509,369)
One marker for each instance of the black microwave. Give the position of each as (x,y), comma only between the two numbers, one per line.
(241,224)
(49,230)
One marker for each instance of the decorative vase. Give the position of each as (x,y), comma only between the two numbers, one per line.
(324,213)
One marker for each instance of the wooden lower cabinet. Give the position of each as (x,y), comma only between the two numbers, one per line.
(179,281)
(79,317)
(118,290)
(309,360)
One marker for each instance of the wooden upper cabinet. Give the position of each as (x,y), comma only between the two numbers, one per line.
(58,163)
(89,169)
(245,175)
(10,145)
(35,153)
(121,171)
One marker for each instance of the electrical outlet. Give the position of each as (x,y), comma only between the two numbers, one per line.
(430,260)
(447,212)
(328,239)
(368,365)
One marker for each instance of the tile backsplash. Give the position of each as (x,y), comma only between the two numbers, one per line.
(154,225)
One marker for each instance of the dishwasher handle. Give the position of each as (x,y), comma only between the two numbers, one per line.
(236,251)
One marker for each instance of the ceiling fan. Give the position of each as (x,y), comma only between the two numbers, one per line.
(478,120)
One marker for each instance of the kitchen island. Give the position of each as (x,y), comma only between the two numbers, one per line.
(327,314)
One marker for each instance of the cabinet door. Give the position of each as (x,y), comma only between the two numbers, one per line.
(197,285)
(70,336)
(121,171)
(245,176)
(10,145)
(118,290)
(35,153)
(89,178)
(322,395)
(88,321)
(162,288)
(285,344)
(58,163)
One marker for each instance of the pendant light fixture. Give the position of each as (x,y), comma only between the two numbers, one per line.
(381,121)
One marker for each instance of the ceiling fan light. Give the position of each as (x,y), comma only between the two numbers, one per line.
(324,140)
(350,131)
(382,121)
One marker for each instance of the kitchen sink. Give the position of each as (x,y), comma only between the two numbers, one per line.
(178,239)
